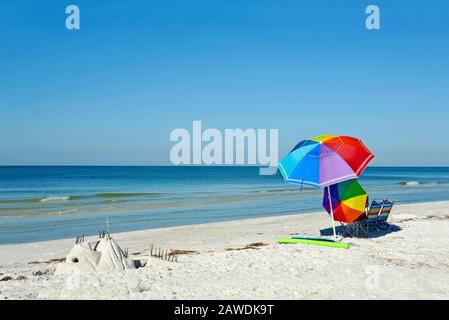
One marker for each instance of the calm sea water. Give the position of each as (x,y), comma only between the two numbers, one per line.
(43,203)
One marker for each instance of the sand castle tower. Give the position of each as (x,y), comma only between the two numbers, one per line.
(101,255)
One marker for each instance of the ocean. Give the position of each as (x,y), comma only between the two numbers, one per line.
(51,202)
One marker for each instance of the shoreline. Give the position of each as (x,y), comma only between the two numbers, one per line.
(134,237)
(298,213)
(411,262)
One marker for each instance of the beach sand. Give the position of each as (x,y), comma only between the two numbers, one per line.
(411,262)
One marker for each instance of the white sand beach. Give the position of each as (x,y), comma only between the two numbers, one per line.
(410,263)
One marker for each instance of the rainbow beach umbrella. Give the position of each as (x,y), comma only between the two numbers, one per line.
(347,201)
(325,160)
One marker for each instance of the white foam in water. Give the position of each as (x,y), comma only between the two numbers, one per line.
(412,183)
(61,212)
(55,199)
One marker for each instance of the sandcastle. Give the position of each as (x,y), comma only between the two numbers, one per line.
(101,255)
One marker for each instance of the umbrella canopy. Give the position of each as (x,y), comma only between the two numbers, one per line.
(325,160)
(348,201)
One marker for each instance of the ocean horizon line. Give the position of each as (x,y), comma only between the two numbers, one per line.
(188,165)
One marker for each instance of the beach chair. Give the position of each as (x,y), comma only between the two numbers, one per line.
(384,213)
(352,229)
(372,215)
(357,227)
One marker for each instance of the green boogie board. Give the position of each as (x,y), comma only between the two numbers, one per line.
(314,242)
(313,238)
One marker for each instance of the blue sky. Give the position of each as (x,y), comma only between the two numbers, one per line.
(111,92)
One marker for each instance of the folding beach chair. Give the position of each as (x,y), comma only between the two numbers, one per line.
(384,213)
(372,215)
(355,228)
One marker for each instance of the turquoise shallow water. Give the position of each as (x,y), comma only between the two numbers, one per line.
(44,203)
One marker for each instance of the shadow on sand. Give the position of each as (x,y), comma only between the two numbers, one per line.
(351,233)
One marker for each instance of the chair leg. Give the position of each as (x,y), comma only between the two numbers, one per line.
(347,230)
(362,229)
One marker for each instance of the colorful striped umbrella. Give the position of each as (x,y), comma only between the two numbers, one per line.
(348,201)
(325,160)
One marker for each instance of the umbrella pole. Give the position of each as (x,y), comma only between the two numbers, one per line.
(332,210)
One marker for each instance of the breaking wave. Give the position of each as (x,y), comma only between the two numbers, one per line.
(55,199)
(111,196)
(409,183)
(62,212)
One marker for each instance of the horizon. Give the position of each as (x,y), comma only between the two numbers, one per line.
(185,165)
